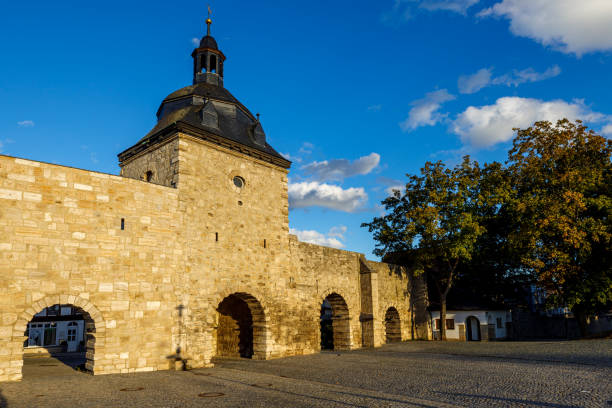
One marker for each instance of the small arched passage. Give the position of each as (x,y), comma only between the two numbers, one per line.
(472,329)
(393,328)
(75,332)
(241,329)
(335,323)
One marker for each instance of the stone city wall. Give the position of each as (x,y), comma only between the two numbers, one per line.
(62,242)
(152,291)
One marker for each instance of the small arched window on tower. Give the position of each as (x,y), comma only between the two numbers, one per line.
(213,64)
(203,64)
(149,176)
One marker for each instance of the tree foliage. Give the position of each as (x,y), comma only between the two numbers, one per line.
(436,220)
(544,217)
(562,178)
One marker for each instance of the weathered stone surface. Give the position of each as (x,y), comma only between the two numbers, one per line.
(150,262)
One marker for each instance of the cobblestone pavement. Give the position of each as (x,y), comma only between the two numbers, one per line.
(412,374)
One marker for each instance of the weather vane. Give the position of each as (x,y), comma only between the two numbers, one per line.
(208,21)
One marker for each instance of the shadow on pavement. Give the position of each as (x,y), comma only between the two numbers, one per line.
(530,403)
(58,364)
(74,360)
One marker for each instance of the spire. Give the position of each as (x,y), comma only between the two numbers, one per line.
(208,59)
(208,22)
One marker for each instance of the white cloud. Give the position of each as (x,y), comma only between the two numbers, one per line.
(487,125)
(315,194)
(290,157)
(306,148)
(391,184)
(607,130)
(469,84)
(391,189)
(404,10)
(26,123)
(195,41)
(339,169)
(315,237)
(337,232)
(425,112)
(571,26)
(458,6)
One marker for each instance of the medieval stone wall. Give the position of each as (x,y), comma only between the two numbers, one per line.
(62,242)
(394,291)
(153,289)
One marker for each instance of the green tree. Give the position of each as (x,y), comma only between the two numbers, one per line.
(562,178)
(435,221)
(493,276)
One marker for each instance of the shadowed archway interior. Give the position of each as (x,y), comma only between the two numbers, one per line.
(393,329)
(335,327)
(241,327)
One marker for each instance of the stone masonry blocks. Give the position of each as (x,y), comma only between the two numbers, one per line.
(150,262)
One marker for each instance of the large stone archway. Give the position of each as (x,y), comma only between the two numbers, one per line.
(242,329)
(393,328)
(95,326)
(335,308)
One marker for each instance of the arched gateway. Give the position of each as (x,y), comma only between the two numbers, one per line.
(335,323)
(393,329)
(241,329)
(93,322)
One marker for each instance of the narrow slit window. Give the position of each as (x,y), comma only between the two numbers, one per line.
(122,224)
(264,243)
(216,237)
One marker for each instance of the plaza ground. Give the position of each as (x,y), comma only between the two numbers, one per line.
(559,374)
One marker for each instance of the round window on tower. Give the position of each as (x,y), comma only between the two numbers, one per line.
(238,182)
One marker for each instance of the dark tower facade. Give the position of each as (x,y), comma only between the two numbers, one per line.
(208,60)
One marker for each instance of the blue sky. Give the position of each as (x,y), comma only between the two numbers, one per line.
(356,93)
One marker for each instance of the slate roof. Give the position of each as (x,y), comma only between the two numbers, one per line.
(239,127)
(208,42)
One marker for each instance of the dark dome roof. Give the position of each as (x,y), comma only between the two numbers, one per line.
(206,90)
(208,42)
(239,125)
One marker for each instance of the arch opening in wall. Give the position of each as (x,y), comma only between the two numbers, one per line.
(213,64)
(148,176)
(66,332)
(203,64)
(241,329)
(393,329)
(335,323)
(472,329)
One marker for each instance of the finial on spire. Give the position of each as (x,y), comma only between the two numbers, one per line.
(208,22)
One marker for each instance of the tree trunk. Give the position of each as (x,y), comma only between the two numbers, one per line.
(442,316)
